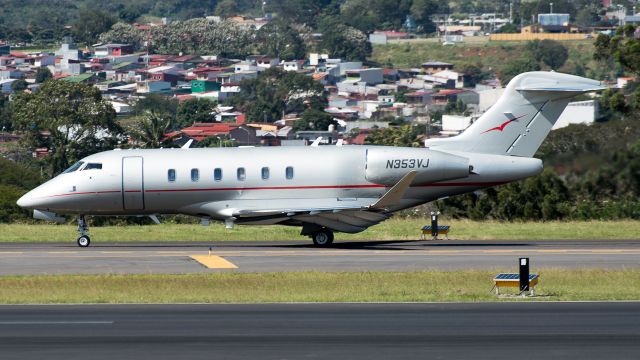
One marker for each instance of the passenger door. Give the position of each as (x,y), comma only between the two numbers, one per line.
(132,183)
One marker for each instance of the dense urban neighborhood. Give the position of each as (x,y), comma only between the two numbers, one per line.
(241,74)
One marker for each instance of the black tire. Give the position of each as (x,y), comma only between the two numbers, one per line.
(84,241)
(322,238)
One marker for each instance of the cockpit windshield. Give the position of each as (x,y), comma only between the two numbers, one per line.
(73,167)
(93,166)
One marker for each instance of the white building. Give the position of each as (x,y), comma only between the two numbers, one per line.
(455,124)
(578,112)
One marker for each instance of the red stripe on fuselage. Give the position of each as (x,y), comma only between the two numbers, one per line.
(364,186)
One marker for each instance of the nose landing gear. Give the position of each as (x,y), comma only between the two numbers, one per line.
(84,240)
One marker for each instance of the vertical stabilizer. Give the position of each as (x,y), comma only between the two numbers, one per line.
(523,116)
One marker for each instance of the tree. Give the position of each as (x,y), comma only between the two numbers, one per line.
(508,28)
(279,39)
(195,111)
(299,11)
(19,85)
(43,74)
(550,52)
(344,41)
(472,74)
(151,132)
(275,93)
(423,10)
(226,8)
(405,135)
(516,67)
(5,114)
(313,119)
(71,119)
(90,24)
(157,104)
(125,34)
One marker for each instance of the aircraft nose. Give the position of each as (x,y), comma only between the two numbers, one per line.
(26,201)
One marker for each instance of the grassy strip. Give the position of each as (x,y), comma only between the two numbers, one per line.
(393,229)
(468,286)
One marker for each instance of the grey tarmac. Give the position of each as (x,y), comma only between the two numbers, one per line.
(275,256)
(322,331)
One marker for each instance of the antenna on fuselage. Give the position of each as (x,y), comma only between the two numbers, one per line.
(188,144)
(316,142)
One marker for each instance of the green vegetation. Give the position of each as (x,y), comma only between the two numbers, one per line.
(275,92)
(61,108)
(393,229)
(14,182)
(469,286)
(490,56)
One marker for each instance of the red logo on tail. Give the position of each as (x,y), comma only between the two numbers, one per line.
(504,125)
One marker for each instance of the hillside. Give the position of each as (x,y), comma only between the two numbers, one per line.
(491,56)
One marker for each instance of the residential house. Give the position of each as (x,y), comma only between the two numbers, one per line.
(296,65)
(267,62)
(202,86)
(5,86)
(431,66)
(371,76)
(11,73)
(87,78)
(152,87)
(113,50)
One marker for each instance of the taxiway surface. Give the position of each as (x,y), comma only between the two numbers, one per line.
(67,258)
(322,331)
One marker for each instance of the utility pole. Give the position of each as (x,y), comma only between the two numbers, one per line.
(550,8)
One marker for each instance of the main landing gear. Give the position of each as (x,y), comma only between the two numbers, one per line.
(84,240)
(322,237)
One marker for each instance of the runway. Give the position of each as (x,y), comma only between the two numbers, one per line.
(322,331)
(67,258)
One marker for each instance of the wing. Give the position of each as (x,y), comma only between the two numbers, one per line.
(338,214)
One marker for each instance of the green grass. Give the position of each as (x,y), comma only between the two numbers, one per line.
(393,229)
(491,54)
(467,286)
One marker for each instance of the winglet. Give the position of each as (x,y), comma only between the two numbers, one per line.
(395,194)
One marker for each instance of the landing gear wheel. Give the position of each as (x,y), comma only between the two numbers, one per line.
(84,241)
(322,238)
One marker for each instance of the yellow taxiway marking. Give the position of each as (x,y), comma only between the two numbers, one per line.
(213,262)
(62,252)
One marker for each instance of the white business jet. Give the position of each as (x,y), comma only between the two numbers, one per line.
(322,189)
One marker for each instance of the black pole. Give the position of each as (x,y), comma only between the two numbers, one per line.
(524,274)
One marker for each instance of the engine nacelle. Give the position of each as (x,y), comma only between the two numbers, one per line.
(388,165)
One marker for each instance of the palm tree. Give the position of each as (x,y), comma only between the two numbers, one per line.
(152,131)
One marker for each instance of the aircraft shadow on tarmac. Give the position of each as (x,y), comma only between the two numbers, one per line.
(394,245)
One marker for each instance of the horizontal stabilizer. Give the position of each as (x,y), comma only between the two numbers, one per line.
(395,194)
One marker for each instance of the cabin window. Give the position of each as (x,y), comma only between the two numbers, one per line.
(171,175)
(265,173)
(217,174)
(93,166)
(289,172)
(195,174)
(73,167)
(241,174)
